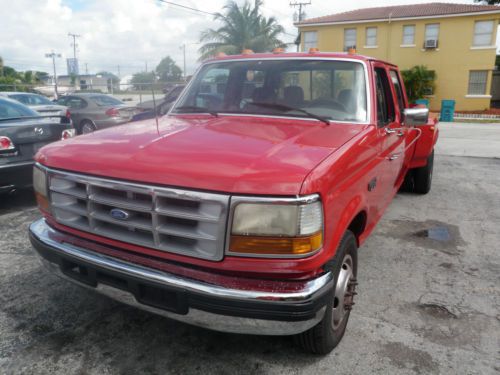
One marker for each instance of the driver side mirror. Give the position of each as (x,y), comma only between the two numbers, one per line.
(416,116)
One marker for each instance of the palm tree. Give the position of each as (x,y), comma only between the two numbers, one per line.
(419,81)
(242,28)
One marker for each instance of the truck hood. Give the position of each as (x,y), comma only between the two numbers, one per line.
(249,155)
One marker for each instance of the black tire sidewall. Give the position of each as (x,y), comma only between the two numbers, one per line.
(322,338)
(423,176)
(347,246)
(82,124)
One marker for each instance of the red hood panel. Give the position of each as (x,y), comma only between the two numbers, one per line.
(251,155)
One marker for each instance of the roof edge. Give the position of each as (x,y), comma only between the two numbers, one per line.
(461,14)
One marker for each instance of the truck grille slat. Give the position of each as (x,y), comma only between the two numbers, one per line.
(171,220)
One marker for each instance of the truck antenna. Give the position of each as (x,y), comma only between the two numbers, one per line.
(154,108)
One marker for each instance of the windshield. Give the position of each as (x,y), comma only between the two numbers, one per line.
(31,99)
(105,100)
(332,89)
(11,109)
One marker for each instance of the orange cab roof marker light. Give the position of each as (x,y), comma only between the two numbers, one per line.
(278,50)
(313,50)
(246,51)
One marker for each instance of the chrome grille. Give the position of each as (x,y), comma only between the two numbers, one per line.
(172,220)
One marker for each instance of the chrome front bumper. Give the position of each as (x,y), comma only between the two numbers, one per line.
(222,308)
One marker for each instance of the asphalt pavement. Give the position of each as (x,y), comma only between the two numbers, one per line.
(428,300)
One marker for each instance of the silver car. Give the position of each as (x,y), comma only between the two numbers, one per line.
(93,111)
(40,104)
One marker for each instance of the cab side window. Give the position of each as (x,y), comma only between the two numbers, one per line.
(75,103)
(385,102)
(399,90)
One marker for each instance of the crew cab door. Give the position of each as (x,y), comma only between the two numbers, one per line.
(391,134)
(409,133)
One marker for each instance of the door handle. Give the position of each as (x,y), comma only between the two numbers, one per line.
(389,131)
(393,157)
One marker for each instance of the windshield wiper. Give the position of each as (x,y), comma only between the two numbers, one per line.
(197,109)
(283,107)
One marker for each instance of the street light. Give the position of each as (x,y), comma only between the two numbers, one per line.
(53,55)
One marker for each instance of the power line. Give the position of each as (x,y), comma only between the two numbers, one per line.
(186,7)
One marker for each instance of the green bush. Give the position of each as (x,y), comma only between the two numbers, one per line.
(419,82)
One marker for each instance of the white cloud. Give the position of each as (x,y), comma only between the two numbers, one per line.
(129,33)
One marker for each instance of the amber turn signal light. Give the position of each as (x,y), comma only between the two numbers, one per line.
(42,201)
(276,245)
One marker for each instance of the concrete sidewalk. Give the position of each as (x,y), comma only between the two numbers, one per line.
(469,139)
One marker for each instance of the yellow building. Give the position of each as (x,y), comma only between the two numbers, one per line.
(457,41)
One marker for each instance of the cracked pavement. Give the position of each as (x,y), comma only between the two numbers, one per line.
(425,306)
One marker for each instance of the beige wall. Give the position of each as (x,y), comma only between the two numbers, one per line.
(452,60)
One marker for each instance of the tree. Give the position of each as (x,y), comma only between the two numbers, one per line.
(168,71)
(143,80)
(419,81)
(489,2)
(243,27)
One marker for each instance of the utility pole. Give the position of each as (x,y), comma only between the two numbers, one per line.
(86,69)
(118,66)
(146,66)
(53,55)
(300,17)
(75,61)
(183,47)
(74,36)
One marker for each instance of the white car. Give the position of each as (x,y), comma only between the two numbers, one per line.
(40,104)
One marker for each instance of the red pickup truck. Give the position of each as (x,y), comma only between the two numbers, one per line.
(242,209)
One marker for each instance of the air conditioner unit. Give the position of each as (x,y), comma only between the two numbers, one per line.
(430,43)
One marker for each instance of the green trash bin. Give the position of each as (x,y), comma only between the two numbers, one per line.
(423,101)
(447,110)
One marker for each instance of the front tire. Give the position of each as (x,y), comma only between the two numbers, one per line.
(326,335)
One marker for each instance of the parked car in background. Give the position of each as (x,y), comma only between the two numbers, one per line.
(22,133)
(93,111)
(40,104)
(146,109)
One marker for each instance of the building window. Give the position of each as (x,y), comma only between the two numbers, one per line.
(310,40)
(371,36)
(432,31)
(408,35)
(477,82)
(483,33)
(349,39)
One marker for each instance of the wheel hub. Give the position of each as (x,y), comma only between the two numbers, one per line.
(345,290)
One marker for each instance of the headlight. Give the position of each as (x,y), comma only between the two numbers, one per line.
(40,187)
(292,227)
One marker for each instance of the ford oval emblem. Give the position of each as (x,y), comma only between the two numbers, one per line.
(119,214)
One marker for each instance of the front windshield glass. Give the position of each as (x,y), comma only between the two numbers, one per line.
(332,89)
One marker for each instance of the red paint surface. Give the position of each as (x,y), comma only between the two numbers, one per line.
(258,156)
